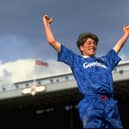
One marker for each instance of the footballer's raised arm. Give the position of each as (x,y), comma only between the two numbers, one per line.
(49,34)
(120,43)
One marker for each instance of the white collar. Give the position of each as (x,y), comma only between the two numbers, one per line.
(85,56)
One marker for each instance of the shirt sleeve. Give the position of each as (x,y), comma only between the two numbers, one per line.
(66,55)
(112,59)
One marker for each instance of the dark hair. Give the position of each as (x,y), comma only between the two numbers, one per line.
(84,36)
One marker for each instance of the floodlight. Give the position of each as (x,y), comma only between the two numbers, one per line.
(33,90)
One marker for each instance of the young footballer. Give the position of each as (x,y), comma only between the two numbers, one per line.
(98,108)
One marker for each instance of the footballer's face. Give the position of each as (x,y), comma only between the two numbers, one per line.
(89,47)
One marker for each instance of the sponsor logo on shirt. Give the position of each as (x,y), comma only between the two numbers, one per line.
(93,64)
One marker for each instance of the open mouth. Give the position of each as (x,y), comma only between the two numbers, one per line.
(92,49)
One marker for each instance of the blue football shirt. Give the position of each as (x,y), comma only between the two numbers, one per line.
(93,74)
